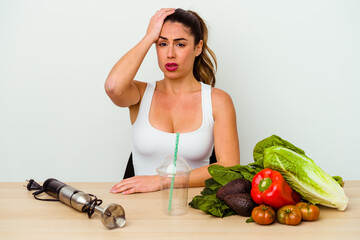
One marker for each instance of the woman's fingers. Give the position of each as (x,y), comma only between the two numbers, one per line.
(121,186)
(129,185)
(129,191)
(116,188)
(166,11)
(157,22)
(137,184)
(121,189)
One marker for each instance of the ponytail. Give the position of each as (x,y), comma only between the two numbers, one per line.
(204,70)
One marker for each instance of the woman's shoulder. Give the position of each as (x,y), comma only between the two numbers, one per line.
(220,96)
(221,101)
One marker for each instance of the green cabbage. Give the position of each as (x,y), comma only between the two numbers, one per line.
(304,176)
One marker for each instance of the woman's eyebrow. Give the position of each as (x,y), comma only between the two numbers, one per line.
(175,40)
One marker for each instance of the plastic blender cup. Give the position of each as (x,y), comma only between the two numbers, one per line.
(174,182)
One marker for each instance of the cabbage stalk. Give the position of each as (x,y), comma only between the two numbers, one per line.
(305,177)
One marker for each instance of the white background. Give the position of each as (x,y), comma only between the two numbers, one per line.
(291,67)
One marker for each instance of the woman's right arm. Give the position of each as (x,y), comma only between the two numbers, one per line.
(120,85)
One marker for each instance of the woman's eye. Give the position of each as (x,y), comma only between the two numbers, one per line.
(180,45)
(162,44)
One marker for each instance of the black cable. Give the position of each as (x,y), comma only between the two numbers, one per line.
(89,207)
(32,185)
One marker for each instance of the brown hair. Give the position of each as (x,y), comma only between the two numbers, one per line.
(204,70)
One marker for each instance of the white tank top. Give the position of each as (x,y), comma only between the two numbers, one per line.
(151,146)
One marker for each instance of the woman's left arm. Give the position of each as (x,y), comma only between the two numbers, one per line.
(226,139)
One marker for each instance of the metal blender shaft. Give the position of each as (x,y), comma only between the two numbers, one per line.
(112,216)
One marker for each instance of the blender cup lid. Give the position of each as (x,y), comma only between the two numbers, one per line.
(167,166)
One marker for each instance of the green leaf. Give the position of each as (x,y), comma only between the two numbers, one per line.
(271,141)
(207,191)
(221,210)
(210,204)
(339,180)
(204,203)
(222,174)
(212,184)
(246,171)
(257,165)
(250,220)
(211,187)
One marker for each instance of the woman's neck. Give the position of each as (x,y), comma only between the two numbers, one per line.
(176,86)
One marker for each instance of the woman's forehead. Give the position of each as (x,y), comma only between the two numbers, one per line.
(175,30)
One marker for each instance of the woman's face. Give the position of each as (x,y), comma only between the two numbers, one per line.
(176,51)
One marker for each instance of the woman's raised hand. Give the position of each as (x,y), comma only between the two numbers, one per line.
(157,21)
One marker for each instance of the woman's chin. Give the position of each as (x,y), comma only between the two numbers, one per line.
(172,75)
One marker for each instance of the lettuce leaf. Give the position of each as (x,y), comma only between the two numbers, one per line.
(271,141)
(305,177)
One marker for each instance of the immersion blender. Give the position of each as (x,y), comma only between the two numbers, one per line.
(112,216)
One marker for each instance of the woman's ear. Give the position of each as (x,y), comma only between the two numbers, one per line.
(198,48)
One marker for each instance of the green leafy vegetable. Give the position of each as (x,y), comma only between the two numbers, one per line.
(222,174)
(271,141)
(207,201)
(305,177)
(211,187)
(248,172)
(339,180)
(212,205)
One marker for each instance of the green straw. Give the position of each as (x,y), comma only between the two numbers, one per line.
(173,177)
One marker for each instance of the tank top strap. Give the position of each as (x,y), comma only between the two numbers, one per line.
(206,104)
(146,100)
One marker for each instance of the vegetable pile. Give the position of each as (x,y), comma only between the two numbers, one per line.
(280,176)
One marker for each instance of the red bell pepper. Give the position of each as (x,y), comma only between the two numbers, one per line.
(270,188)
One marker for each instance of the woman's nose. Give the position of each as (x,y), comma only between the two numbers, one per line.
(171,52)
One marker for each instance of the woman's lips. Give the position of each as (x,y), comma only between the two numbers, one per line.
(171,66)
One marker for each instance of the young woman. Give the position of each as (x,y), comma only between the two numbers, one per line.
(183,101)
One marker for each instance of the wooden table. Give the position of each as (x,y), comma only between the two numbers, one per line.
(23,217)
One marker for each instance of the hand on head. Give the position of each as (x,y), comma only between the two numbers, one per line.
(157,21)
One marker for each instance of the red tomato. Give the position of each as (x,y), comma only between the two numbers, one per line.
(309,212)
(289,214)
(263,214)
